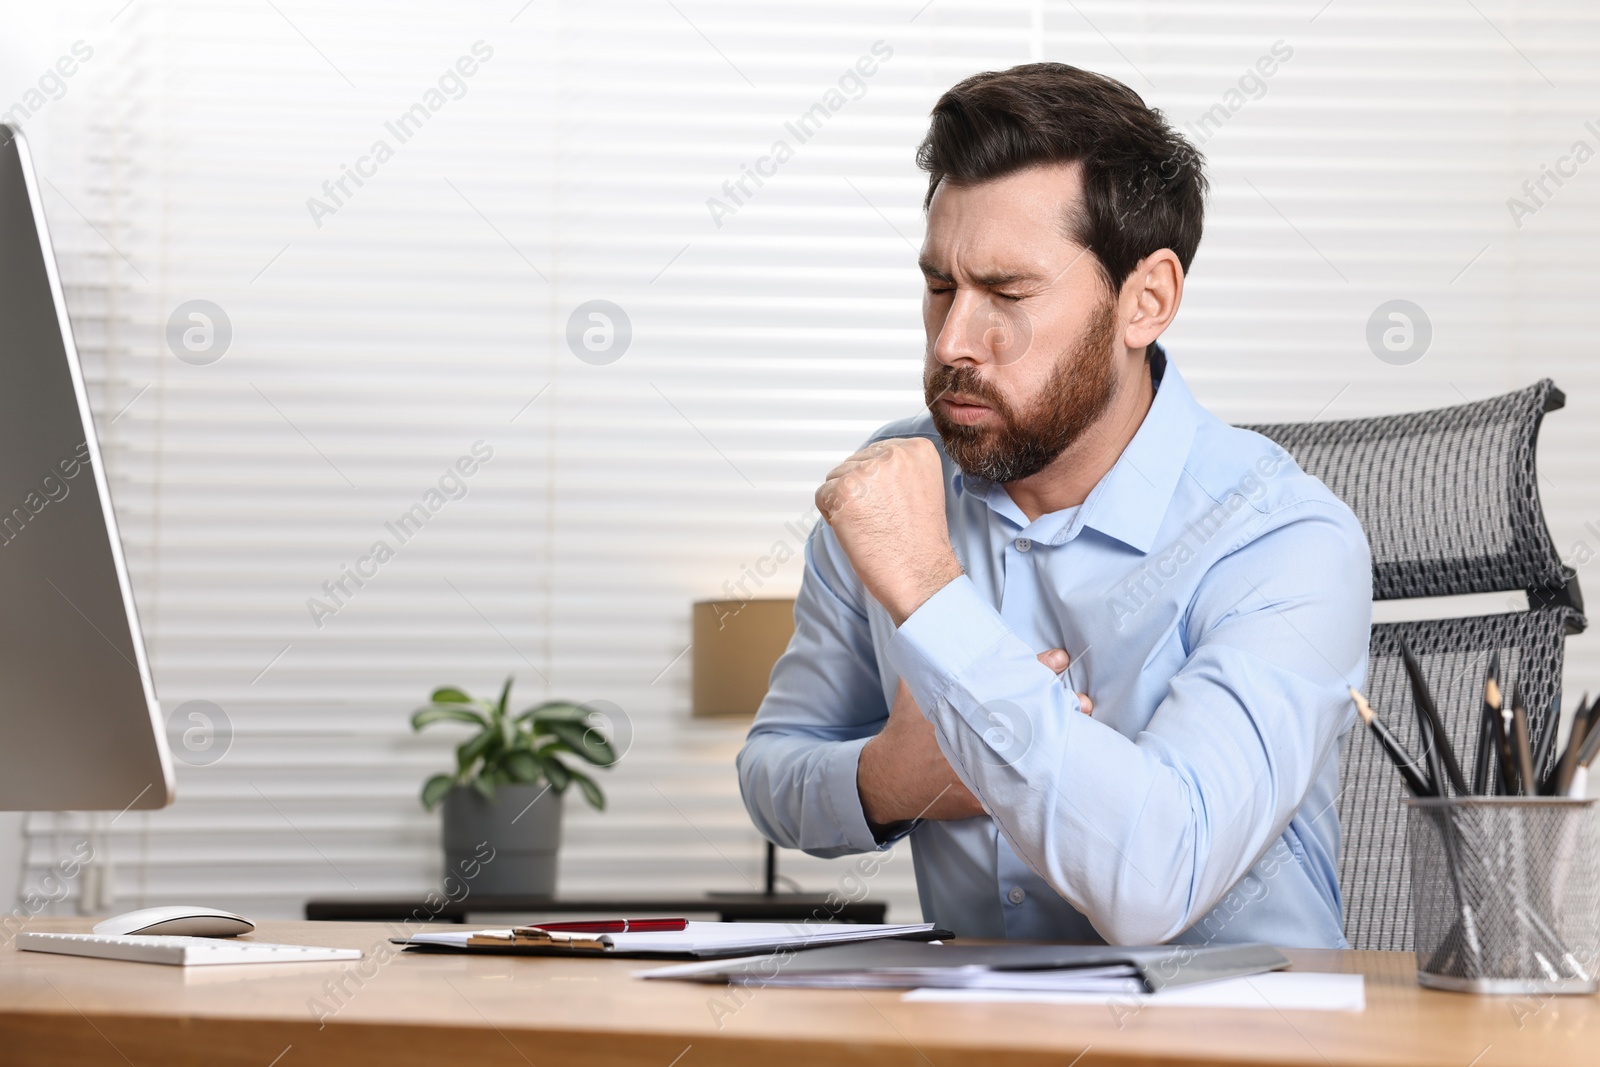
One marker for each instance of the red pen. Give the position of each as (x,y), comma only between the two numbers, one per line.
(612,926)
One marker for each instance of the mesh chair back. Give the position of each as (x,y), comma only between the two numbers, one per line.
(1450,504)
(1449,498)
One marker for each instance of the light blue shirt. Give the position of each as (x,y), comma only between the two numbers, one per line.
(1216,601)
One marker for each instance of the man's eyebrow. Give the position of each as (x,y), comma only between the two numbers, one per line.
(989,280)
(996,279)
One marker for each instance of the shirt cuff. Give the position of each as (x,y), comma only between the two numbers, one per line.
(954,630)
(843,798)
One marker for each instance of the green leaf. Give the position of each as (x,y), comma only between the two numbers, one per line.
(554,710)
(434,789)
(505,695)
(427,716)
(522,766)
(591,790)
(484,787)
(554,770)
(585,741)
(474,748)
(449,694)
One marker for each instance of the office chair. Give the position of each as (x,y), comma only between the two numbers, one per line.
(1450,503)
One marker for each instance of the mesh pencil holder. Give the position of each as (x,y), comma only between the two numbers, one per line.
(1506,893)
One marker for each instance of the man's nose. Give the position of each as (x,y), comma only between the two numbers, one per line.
(963,337)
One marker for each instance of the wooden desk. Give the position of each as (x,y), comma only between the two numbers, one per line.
(438,1010)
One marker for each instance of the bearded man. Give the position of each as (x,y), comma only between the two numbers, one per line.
(1067,520)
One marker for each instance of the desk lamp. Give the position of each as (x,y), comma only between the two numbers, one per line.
(736,643)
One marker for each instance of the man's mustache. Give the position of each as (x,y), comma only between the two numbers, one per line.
(962,381)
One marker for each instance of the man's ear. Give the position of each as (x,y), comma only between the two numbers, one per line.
(1150,298)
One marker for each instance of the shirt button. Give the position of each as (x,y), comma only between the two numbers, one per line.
(1017,895)
(1023,544)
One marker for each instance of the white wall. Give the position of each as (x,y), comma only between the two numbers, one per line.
(426,312)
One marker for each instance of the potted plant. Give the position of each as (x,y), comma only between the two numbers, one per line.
(507,786)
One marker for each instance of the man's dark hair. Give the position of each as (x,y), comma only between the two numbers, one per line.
(1143,186)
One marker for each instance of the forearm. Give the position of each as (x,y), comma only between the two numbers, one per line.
(897,789)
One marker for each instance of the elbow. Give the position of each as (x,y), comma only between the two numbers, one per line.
(1138,926)
(773,787)
(755,790)
(1146,914)
(1155,896)
(765,800)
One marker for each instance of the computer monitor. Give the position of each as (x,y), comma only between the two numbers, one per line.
(80,727)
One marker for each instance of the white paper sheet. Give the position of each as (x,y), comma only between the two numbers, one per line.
(720,937)
(1283,990)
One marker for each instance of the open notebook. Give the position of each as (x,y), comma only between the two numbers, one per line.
(698,940)
(1016,967)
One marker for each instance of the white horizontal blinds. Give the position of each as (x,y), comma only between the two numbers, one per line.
(429,312)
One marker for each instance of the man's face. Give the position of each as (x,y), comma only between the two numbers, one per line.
(1020,327)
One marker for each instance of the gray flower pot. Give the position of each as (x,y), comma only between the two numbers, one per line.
(522,824)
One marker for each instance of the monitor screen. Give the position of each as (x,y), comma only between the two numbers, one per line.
(80,727)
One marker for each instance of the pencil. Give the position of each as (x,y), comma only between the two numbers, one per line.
(1519,727)
(1543,765)
(1576,736)
(1481,773)
(1569,758)
(1439,751)
(1502,738)
(1402,759)
(1591,740)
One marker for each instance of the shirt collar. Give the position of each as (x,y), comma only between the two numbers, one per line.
(1131,501)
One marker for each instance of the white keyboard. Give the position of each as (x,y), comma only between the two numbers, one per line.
(179,951)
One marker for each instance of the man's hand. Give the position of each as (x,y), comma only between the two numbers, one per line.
(903,774)
(886,507)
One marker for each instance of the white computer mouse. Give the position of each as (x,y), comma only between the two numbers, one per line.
(182,919)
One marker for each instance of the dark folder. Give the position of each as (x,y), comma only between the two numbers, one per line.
(910,965)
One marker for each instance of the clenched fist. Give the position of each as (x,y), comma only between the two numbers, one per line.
(886,507)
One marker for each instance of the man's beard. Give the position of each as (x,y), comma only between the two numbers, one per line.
(1077,393)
